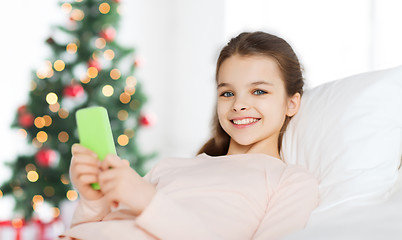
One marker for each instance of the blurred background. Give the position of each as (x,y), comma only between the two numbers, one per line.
(178,42)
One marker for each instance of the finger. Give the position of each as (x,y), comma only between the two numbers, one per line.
(108,175)
(111,161)
(85,159)
(126,162)
(107,187)
(77,148)
(83,169)
(88,179)
(112,199)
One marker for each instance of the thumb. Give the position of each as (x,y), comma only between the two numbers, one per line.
(111,161)
(126,162)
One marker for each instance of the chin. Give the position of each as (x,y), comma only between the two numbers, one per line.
(243,141)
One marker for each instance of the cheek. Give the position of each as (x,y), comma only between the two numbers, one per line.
(221,111)
(275,108)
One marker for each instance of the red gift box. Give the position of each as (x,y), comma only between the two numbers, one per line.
(34,229)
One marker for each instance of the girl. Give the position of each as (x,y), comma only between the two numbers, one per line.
(237,187)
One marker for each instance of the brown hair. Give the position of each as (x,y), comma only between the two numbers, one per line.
(256,43)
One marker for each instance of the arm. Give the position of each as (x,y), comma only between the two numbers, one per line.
(84,170)
(90,211)
(97,207)
(166,219)
(290,206)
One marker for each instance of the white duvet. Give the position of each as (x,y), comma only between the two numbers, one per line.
(348,133)
(377,221)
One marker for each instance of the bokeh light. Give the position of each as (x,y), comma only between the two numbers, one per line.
(59,65)
(131,81)
(17,223)
(36,143)
(135,104)
(33,85)
(18,192)
(41,136)
(72,195)
(85,79)
(122,115)
(56,212)
(63,113)
(107,90)
(130,90)
(125,98)
(37,199)
(30,167)
(49,191)
(77,15)
(48,120)
(45,71)
(51,98)
(54,107)
(39,122)
(64,179)
(109,54)
(23,132)
(123,140)
(115,74)
(100,43)
(66,7)
(104,8)
(63,137)
(92,72)
(71,48)
(129,133)
(32,176)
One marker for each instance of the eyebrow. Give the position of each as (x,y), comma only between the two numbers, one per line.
(253,84)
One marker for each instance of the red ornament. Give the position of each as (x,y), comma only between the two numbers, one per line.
(147,120)
(22,109)
(74,90)
(95,64)
(46,157)
(108,34)
(138,62)
(26,120)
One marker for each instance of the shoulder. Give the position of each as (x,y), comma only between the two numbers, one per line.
(297,173)
(167,166)
(298,177)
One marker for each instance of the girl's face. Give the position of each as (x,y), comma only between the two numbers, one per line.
(252,102)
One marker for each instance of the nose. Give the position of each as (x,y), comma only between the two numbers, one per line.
(239,105)
(236,110)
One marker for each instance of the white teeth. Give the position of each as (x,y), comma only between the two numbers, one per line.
(245,121)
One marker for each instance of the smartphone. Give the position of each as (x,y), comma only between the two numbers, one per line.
(95,133)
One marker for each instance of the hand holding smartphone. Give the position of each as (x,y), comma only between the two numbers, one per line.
(95,133)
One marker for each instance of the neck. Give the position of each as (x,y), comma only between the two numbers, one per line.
(266,147)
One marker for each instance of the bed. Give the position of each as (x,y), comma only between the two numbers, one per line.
(348,133)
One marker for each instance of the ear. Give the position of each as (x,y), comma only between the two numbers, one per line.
(293,104)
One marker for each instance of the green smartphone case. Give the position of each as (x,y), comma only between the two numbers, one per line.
(95,133)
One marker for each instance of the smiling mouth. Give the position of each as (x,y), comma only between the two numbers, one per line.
(245,121)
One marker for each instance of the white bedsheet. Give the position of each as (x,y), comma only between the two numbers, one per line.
(354,221)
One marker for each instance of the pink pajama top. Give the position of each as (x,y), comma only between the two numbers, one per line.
(242,196)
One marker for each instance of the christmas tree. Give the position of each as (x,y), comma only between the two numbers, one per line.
(87,68)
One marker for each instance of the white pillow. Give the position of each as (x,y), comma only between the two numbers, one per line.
(348,133)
